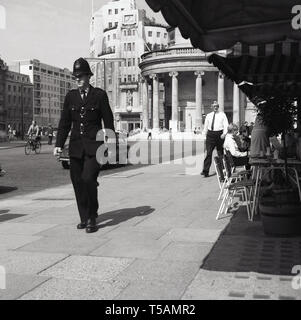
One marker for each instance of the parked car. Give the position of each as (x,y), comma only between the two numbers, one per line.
(120,139)
(2,172)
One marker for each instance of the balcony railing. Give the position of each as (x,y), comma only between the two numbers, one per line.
(176,52)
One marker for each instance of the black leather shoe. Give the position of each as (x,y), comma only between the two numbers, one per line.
(91,226)
(81,225)
(205,174)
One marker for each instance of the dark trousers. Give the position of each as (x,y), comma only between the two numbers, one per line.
(241,161)
(213,140)
(84,173)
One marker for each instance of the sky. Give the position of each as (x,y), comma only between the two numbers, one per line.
(55,32)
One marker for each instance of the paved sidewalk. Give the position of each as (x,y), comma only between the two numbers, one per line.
(158,239)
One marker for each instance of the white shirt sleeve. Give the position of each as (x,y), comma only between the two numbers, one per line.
(226,124)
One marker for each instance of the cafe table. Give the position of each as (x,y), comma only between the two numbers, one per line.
(262,166)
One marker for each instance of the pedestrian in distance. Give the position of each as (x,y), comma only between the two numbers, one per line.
(50,134)
(216,127)
(84,110)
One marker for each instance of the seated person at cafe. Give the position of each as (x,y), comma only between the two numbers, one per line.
(231,144)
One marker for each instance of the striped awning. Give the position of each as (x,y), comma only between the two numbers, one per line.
(213,25)
(262,76)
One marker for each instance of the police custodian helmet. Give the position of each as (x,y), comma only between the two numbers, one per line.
(81,67)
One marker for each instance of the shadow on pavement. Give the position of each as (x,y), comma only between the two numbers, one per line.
(4,189)
(116,217)
(243,247)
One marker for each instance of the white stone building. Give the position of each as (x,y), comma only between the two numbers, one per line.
(119,35)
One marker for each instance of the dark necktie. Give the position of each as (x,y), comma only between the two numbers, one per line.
(84,93)
(212,126)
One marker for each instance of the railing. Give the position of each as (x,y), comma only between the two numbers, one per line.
(176,52)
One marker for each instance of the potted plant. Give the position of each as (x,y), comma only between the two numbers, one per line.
(281,209)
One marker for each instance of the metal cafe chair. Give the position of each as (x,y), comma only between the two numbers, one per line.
(219,169)
(236,183)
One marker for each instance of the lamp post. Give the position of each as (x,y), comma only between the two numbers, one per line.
(22,108)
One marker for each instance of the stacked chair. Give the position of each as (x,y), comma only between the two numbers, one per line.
(231,184)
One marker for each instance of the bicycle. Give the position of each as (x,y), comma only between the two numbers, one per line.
(33,145)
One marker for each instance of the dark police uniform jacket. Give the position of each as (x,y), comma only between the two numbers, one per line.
(84,119)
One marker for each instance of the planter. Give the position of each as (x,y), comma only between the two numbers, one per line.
(281,220)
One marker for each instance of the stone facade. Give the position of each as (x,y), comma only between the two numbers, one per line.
(190,85)
(119,35)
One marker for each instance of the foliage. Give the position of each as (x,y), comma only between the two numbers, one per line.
(278,113)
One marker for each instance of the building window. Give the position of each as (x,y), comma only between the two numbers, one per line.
(125,47)
(158,34)
(129,78)
(129,48)
(109,37)
(129,63)
(110,24)
(116,11)
(116,24)
(114,36)
(129,32)
(165,35)
(30,67)
(133,46)
(124,32)
(110,11)
(134,60)
(150,34)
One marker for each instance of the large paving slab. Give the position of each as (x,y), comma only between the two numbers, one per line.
(185,251)
(23,228)
(17,285)
(153,290)
(69,230)
(158,270)
(131,247)
(66,289)
(17,262)
(12,241)
(88,268)
(80,244)
(192,235)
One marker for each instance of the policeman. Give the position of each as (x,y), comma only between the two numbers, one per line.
(84,110)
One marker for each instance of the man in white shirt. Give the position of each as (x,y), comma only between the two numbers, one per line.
(216,126)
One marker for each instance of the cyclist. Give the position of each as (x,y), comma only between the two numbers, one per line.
(34,131)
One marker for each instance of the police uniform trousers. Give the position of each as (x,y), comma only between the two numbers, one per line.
(213,140)
(84,172)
